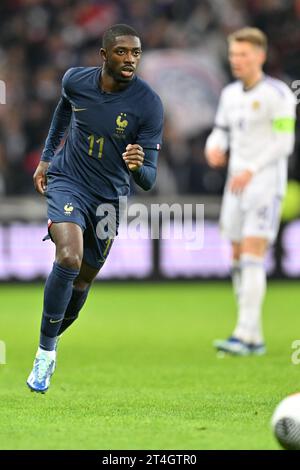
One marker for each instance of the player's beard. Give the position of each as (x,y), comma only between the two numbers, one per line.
(117,76)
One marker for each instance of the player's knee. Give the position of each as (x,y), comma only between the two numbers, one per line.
(254,246)
(69,259)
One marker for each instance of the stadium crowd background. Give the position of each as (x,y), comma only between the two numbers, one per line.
(40,39)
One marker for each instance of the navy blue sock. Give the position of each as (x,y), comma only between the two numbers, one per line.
(57,294)
(75,305)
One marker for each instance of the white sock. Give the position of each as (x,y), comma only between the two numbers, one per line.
(52,354)
(252,291)
(236,277)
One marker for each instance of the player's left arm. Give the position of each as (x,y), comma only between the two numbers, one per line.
(141,158)
(143,165)
(283,118)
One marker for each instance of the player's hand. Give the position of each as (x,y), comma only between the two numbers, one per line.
(215,157)
(134,156)
(39,177)
(240,181)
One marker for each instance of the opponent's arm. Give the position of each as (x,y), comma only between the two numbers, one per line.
(282,117)
(282,145)
(142,164)
(217,142)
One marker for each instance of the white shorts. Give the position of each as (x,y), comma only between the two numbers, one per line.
(254,213)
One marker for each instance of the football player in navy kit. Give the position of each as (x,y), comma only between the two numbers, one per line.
(113,124)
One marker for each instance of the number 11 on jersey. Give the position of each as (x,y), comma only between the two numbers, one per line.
(100,143)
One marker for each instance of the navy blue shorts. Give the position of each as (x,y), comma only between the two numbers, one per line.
(99,229)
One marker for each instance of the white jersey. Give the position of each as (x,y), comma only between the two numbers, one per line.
(257,126)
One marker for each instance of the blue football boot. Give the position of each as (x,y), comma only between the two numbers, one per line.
(43,368)
(237,347)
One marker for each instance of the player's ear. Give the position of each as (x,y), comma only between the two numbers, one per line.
(263,57)
(103,54)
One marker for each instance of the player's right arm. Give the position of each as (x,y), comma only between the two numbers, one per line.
(59,124)
(217,143)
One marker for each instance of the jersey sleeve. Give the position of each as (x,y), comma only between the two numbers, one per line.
(146,175)
(219,137)
(151,127)
(283,113)
(221,120)
(60,122)
(282,109)
(66,83)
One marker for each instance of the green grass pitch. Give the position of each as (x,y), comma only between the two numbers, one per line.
(138,371)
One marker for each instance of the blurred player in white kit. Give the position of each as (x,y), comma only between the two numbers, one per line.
(255,122)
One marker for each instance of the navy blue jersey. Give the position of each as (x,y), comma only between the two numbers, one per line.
(100,126)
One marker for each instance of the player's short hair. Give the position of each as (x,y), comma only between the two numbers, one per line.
(252,35)
(110,35)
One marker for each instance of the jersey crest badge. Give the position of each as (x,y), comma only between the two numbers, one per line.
(255,105)
(122,123)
